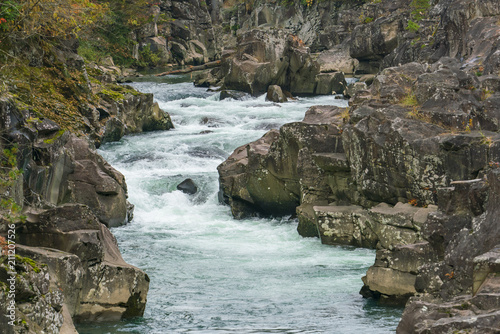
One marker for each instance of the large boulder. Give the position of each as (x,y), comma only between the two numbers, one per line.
(92,181)
(376,39)
(266,58)
(330,83)
(275,173)
(337,59)
(68,170)
(256,62)
(100,285)
(132,112)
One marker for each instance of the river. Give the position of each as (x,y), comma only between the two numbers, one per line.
(213,274)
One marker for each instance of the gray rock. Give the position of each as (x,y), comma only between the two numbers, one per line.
(188,186)
(330,83)
(100,285)
(337,59)
(376,39)
(275,94)
(353,88)
(232,94)
(250,187)
(265,58)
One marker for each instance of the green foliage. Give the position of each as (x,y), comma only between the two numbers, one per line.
(419,9)
(368,20)
(9,174)
(148,57)
(27,260)
(116,96)
(409,100)
(412,26)
(9,157)
(55,137)
(90,52)
(9,11)
(117,92)
(47,19)
(113,36)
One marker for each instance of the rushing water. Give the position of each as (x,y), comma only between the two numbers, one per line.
(213,274)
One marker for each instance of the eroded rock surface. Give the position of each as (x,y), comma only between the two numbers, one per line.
(273,174)
(403,171)
(96,282)
(66,252)
(459,291)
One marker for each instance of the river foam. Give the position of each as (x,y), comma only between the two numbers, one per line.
(213,274)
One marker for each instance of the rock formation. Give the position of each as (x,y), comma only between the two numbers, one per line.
(409,169)
(68,266)
(73,195)
(190,32)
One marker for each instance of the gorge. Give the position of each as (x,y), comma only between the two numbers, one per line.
(409,167)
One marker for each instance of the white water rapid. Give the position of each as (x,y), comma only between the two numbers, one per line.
(213,274)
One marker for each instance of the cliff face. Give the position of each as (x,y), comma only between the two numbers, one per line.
(59,196)
(409,169)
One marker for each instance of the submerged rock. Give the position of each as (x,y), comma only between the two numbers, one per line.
(232,94)
(188,186)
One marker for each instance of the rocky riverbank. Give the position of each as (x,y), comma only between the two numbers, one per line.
(59,198)
(409,169)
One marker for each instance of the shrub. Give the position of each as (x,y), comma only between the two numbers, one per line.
(412,26)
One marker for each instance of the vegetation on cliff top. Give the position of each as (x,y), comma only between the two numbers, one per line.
(39,69)
(103,27)
(25,19)
(113,35)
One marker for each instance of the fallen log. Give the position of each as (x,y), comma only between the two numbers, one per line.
(191,68)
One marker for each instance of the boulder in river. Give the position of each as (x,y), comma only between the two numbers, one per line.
(188,186)
(266,58)
(232,94)
(275,94)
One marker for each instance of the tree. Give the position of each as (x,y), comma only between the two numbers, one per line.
(25,19)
